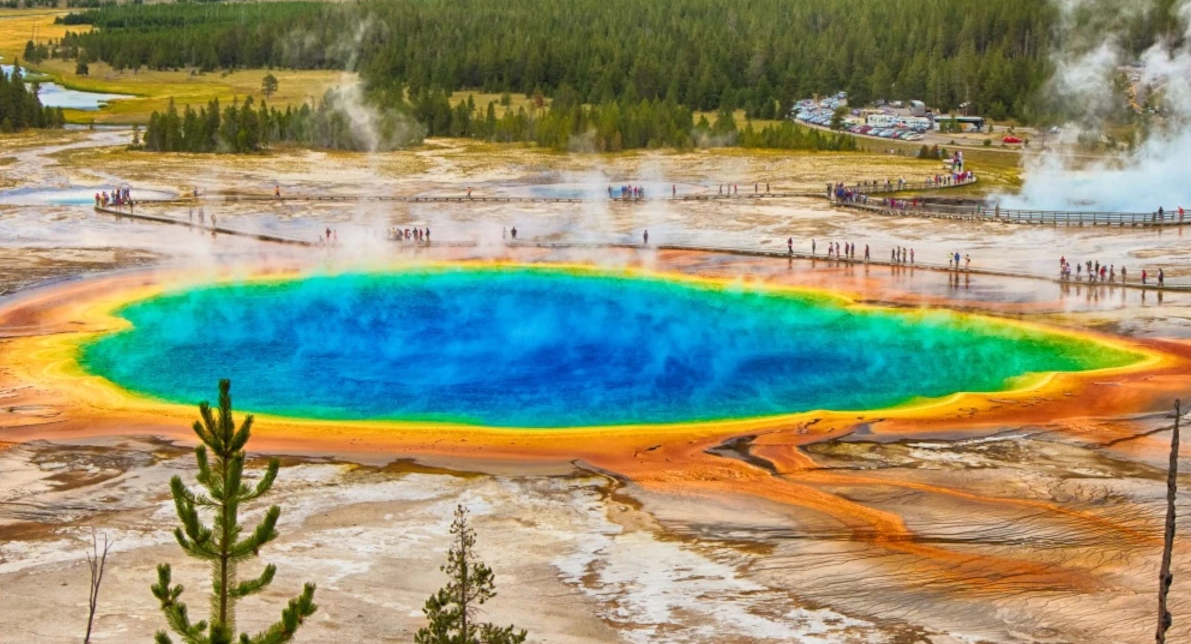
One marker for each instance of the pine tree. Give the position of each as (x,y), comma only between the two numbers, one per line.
(268,85)
(222,544)
(452,610)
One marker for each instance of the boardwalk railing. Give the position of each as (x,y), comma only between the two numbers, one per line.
(556,244)
(503,199)
(907,208)
(221,230)
(887,187)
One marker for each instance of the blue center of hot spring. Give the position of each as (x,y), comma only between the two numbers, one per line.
(549,348)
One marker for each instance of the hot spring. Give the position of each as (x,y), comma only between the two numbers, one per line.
(553,347)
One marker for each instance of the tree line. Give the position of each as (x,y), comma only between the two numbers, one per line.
(355,123)
(703,54)
(706,55)
(246,127)
(20,108)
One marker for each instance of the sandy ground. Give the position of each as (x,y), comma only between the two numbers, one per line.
(582,554)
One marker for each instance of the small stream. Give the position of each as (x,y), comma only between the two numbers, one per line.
(54,95)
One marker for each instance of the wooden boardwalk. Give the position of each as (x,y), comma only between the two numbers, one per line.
(871,188)
(1007,216)
(220,230)
(497,199)
(747,252)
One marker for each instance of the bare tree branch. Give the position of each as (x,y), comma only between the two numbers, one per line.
(97,560)
(1164,576)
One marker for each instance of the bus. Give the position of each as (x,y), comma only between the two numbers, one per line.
(959,123)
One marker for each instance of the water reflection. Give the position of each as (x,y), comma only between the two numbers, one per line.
(54,95)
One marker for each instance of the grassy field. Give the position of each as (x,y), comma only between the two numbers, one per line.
(517,100)
(153,89)
(741,120)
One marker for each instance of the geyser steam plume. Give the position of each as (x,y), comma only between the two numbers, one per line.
(1152,176)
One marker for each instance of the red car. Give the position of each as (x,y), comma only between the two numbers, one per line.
(1011,139)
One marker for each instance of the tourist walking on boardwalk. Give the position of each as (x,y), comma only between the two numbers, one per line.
(812,248)
(1124,274)
(1143,276)
(866,257)
(1161,278)
(790,245)
(513,232)
(674,190)
(911,255)
(645,237)
(967,262)
(277,192)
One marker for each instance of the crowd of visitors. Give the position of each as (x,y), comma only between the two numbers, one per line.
(418,236)
(117,198)
(849,251)
(1095,272)
(626,192)
(858,192)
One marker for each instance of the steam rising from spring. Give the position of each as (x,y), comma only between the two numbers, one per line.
(1154,174)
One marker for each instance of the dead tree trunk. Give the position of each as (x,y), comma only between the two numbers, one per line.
(97,559)
(1164,576)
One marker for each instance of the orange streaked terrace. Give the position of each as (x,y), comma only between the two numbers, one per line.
(45,329)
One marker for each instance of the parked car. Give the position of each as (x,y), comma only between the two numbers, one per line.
(1011,139)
